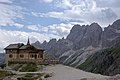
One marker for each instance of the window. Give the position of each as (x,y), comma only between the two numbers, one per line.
(40,56)
(10,56)
(21,56)
(11,50)
(31,56)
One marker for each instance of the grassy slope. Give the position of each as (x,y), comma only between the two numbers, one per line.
(106,62)
(5,73)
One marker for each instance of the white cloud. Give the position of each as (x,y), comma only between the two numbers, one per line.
(46,1)
(84,10)
(59,30)
(18,25)
(33,27)
(9,13)
(38,28)
(77,10)
(6,1)
(68,4)
(45,29)
(111,3)
(79,23)
(63,4)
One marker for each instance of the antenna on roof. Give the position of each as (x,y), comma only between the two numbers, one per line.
(28,42)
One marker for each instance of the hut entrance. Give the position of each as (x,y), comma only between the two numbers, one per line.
(35,56)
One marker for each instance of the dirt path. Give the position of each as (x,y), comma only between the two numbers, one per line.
(61,72)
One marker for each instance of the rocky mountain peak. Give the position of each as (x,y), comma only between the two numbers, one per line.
(37,43)
(111,34)
(116,24)
(76,31)
(52,41)
(75,28)
(95,25)
(82,42)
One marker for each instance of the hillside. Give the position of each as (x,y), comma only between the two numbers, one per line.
(106,62)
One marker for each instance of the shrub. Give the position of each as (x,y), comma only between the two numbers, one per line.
(5,73)
(47,75)
(31,76)
(83,79)
(29,68)
(17,67)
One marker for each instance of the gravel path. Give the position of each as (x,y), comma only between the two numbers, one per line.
(61,72)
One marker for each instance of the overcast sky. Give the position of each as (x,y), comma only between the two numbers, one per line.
(45,19)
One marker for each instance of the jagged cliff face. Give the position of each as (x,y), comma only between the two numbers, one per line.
(82,42)
(111,34)
(84,36)
(57,48)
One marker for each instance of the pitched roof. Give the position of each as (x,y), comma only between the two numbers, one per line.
(24,47)
(30,47)
(14,46)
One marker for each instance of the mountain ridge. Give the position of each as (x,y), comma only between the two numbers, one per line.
(82,42)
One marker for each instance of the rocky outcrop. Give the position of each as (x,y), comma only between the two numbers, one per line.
(111,34)
(56,48)
(84,36)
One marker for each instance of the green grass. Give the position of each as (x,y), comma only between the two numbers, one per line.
(116,53)
(31,76)
(17,67)
(86,64)
(29,68)
(5,73)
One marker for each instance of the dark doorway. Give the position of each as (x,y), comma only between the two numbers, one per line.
(35,56)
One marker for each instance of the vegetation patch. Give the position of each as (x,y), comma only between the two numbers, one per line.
(16,68)
(5,73)
(29,68)
(26,67)
(47,76)
(31,76)
(19,62)
(83,79)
